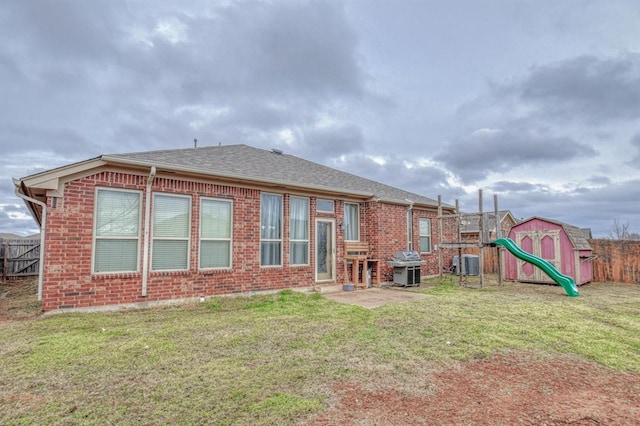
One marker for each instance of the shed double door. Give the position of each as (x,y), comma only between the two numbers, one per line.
(544,244)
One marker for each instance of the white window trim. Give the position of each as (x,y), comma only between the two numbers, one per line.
(95,236)
(230,239)
(358,216)
(279,265)
(153,238)
(421,235)
(308,239)
(333,205)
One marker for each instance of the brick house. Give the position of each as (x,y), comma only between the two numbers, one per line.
(470,226)
(147,227)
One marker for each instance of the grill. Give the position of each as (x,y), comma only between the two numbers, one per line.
(406,268)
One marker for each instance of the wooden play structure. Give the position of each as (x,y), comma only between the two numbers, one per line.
(481,243)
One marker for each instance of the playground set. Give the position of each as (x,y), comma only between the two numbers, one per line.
(490,240)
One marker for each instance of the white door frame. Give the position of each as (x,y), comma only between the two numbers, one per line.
(332,249)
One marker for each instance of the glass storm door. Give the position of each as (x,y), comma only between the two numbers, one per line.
(325,251)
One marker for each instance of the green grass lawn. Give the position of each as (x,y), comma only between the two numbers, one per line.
(271,359)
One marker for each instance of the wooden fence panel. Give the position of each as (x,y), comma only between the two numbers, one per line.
(618,261)
(19,257)
(490,259)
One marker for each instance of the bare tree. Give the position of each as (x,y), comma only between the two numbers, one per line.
(620,231)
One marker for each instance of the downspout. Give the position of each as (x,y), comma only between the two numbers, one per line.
(43,226)
(410,225)
(147,221)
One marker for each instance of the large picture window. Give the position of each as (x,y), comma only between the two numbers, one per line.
(117,231)
(270,230)
(351,222)
(171,230)
(215,233)
(299,231)
(425,235)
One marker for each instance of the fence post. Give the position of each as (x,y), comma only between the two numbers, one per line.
(5,259)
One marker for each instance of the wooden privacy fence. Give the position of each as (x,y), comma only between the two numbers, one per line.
(618,261)
(19,257)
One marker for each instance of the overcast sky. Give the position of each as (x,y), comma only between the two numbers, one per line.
(535,101)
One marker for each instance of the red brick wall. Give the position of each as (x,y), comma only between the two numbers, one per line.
(69,282)
(388,234)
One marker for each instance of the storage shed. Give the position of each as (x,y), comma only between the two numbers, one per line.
(565,246)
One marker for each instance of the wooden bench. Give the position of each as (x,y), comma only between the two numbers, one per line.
(356,254)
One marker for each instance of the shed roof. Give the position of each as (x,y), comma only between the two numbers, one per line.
(576,235)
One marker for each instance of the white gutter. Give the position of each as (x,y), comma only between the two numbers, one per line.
(43,226)
(260,181)
(147,221)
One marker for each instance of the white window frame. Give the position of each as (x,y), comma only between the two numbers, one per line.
(154,238)
(422,235)
(319,201)
(347,224)
(229,239)
(293,240)
(97,237)
(272,240)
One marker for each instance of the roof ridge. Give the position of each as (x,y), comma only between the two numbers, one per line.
(121,154)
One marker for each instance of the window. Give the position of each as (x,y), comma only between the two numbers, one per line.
(270,230)
(215,233)
(351,222)
(117,231)
(425,235)
(324,206)
(299,231)
(171,229)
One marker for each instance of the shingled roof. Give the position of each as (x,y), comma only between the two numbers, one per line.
(243,162)
(471,221)
(576,235)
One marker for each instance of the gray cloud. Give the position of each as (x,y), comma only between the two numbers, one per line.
(325,143)
(589,88)
(241,57)
(338,83)
(599,180)
(420,179)
(583,207)
(514,187)
(474,156)
(65,29)
(635,156)
(14,219)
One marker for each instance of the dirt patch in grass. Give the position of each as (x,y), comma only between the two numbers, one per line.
(506,389)
(18,300)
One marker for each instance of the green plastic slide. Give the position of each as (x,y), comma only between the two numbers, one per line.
(567,283)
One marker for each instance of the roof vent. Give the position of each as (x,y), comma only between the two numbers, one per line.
(276,151)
